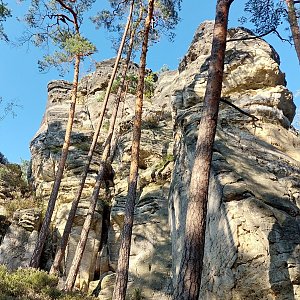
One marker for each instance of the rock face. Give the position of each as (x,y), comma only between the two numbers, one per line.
(252,245)
(252,237)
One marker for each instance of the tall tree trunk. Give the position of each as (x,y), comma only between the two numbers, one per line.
(123,262)
(189,277)
(67,230)
(35,259)
(292,17)
(71,278)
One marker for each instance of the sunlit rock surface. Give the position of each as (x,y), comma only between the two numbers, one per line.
(253,241)
(252,238)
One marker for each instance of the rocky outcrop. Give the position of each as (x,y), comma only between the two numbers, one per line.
(156,161)
(253,239)
(252,236)
(18,243)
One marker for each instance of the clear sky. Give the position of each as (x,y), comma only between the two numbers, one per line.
(21,81)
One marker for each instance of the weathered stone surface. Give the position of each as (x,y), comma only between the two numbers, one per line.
(20,237)
(252,236)
(151,247)
(17,247)
(252,245)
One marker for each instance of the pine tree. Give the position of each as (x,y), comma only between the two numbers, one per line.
(268,15)
(64,240)
(188,282)
(105,157)
(162,17)
(123,261)
(293,21)
(64,32)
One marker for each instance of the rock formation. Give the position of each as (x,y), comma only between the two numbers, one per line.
(252,245)
(252,237)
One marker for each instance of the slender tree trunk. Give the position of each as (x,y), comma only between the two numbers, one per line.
(189,277)
(123,262)
(35,259)
(71,278)
(294,25)
(67,230)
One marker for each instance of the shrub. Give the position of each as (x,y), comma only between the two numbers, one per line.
(32,284)
(149,85)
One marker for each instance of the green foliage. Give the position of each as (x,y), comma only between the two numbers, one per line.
(24,165)
(165,159)
(101,96)
(4,14)
(21,203)
(165,19)
(11,176)
(27,284)
(132,80)
(78,45)
(149,85)
(151,121)
(51,22)
(32,284)
(264,15)
(115,85)
(132,83)
(69,48)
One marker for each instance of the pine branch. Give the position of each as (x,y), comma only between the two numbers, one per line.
(73,13)
(224,100)
(273,30)
(252,37)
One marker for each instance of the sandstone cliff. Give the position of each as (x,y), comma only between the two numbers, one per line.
(252,245)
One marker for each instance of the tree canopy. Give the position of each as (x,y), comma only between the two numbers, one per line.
(5,13)
(57,23)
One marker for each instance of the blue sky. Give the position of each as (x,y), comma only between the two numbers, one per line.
(21,81)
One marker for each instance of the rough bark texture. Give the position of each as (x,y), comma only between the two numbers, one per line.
(86,227)
(35,260)
(123,262)
(189,279)
(88,221)
(294,25)
(64,240)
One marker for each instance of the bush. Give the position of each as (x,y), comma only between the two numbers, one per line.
(21,203)
(32,284)
(149,85)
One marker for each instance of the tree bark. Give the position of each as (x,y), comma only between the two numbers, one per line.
(292,17)
(35,259)
(123,262)
(67,230)
(189,277)
(106,158)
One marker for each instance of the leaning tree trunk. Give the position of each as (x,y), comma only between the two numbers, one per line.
(123,262)
(71,278)
(67,230)
(292,17)
(107,157)
(189,277)
(35,259)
